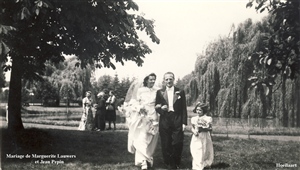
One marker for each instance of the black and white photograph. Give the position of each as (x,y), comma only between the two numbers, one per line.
(150,84)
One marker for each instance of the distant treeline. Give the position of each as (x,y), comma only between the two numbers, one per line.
(66,83)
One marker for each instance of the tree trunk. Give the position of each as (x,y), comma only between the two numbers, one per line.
(297,81)
(15,95)
(57,101)
(235,103)
(285,116)
(262,96)
(270,100)
(292,104)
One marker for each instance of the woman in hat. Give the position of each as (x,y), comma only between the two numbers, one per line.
(86,122)
(201,144)
(100,112)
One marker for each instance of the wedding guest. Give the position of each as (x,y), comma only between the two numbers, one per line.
(86,122)
(201,146)
(143,124)
(100,112)
(111,110)
(170,103)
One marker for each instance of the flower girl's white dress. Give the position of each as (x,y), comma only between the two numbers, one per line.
(201,145)
(143,130)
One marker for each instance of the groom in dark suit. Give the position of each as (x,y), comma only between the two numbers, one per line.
(171,105)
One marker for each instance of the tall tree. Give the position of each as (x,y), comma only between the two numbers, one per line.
(281,52)
(124,86)
(116,85)
(34,31)
(46,91)
(2,78)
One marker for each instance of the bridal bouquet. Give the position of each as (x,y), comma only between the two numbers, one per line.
(133,107)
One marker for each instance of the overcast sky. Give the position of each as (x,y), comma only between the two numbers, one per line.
(184,28)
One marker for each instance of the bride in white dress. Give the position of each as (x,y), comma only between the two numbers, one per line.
(142,121)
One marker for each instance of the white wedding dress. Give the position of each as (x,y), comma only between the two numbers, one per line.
(143,130)
(201,146)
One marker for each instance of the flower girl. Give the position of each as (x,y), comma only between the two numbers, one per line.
(201,144)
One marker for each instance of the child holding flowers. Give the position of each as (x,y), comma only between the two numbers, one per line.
(201,144)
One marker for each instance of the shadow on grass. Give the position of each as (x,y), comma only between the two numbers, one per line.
(34,140)
(90,149)
(220,165)
(85,145)
(87,149)
(108,150)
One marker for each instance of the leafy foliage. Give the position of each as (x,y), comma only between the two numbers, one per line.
(280,52)
(97,32)
(107,82)
(2,78)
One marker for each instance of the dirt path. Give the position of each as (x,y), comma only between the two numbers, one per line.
(262,137)
(259,137)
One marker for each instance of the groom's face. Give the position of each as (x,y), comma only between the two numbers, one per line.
(169,80)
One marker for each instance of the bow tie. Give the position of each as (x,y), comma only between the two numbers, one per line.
(169,89)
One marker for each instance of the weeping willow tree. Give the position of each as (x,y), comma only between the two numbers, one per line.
(222,74)
(209,86)
(63,81)
(246,39)
(224,78)
(224,69)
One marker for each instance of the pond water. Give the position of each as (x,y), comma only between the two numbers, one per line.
(74,114)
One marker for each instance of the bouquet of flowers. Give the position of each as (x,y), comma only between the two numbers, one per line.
(133,108)
(203,125)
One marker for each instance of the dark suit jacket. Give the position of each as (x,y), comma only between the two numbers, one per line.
(179,105)
(101,106)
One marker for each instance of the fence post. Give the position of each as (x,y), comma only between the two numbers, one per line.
(227,127)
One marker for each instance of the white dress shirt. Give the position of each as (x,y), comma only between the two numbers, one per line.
(170,92)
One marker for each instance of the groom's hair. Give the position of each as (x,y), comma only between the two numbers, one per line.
(169,73)
(147,78)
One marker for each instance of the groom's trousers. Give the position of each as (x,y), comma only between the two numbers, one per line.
(171,135)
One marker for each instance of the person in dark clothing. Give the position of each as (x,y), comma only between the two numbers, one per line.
(111,110)
(100,112)
(171,105)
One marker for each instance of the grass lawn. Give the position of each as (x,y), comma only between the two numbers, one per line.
(108,150)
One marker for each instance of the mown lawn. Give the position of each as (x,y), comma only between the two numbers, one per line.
(108,150)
